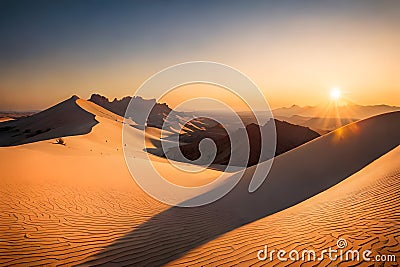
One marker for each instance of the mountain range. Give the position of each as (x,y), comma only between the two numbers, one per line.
(349,110)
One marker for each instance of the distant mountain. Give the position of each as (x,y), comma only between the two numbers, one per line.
(156,117)
(325,119)
(320,125)
(17,114)
(116,106)
(349,111)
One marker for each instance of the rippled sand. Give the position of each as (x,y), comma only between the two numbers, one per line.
(77,204)
(363,210)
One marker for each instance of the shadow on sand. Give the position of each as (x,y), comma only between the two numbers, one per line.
(293,178)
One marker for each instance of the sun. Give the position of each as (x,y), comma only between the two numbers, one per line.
(335,93)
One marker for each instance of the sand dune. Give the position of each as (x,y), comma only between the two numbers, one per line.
(60,204)
(294,177)
(363,209)
(63,119)
(77,204)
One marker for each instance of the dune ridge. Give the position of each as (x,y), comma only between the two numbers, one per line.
(64,119)
(363,209)
(60,204)
(294,177)
(78,204)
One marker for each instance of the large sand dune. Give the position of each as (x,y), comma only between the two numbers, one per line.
(63,119)
(294,177)
(65,205)
(363,210)
(60,204)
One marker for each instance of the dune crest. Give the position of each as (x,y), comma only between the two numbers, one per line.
(294,177)
(78,204)
(64,119)
(363,210)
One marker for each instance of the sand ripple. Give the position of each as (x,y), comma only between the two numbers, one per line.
(44,225)
(364,210)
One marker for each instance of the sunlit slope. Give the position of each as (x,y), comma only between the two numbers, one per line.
(363,210)
(294,177)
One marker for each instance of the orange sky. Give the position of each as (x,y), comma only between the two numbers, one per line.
(295,54)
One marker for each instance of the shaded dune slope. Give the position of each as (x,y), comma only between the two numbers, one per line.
(63,119)
(61,204)
(77,204)
(294,177)
(363,210)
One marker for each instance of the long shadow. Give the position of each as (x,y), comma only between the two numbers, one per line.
(294,177)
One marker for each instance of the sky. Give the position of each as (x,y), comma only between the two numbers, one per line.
(295,51)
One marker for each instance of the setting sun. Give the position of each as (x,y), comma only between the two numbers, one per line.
(335,93)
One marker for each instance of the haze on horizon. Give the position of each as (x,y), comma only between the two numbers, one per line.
(295,51)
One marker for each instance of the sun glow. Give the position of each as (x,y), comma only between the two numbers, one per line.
(335,93)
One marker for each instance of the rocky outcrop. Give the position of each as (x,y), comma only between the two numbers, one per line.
(156,117)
